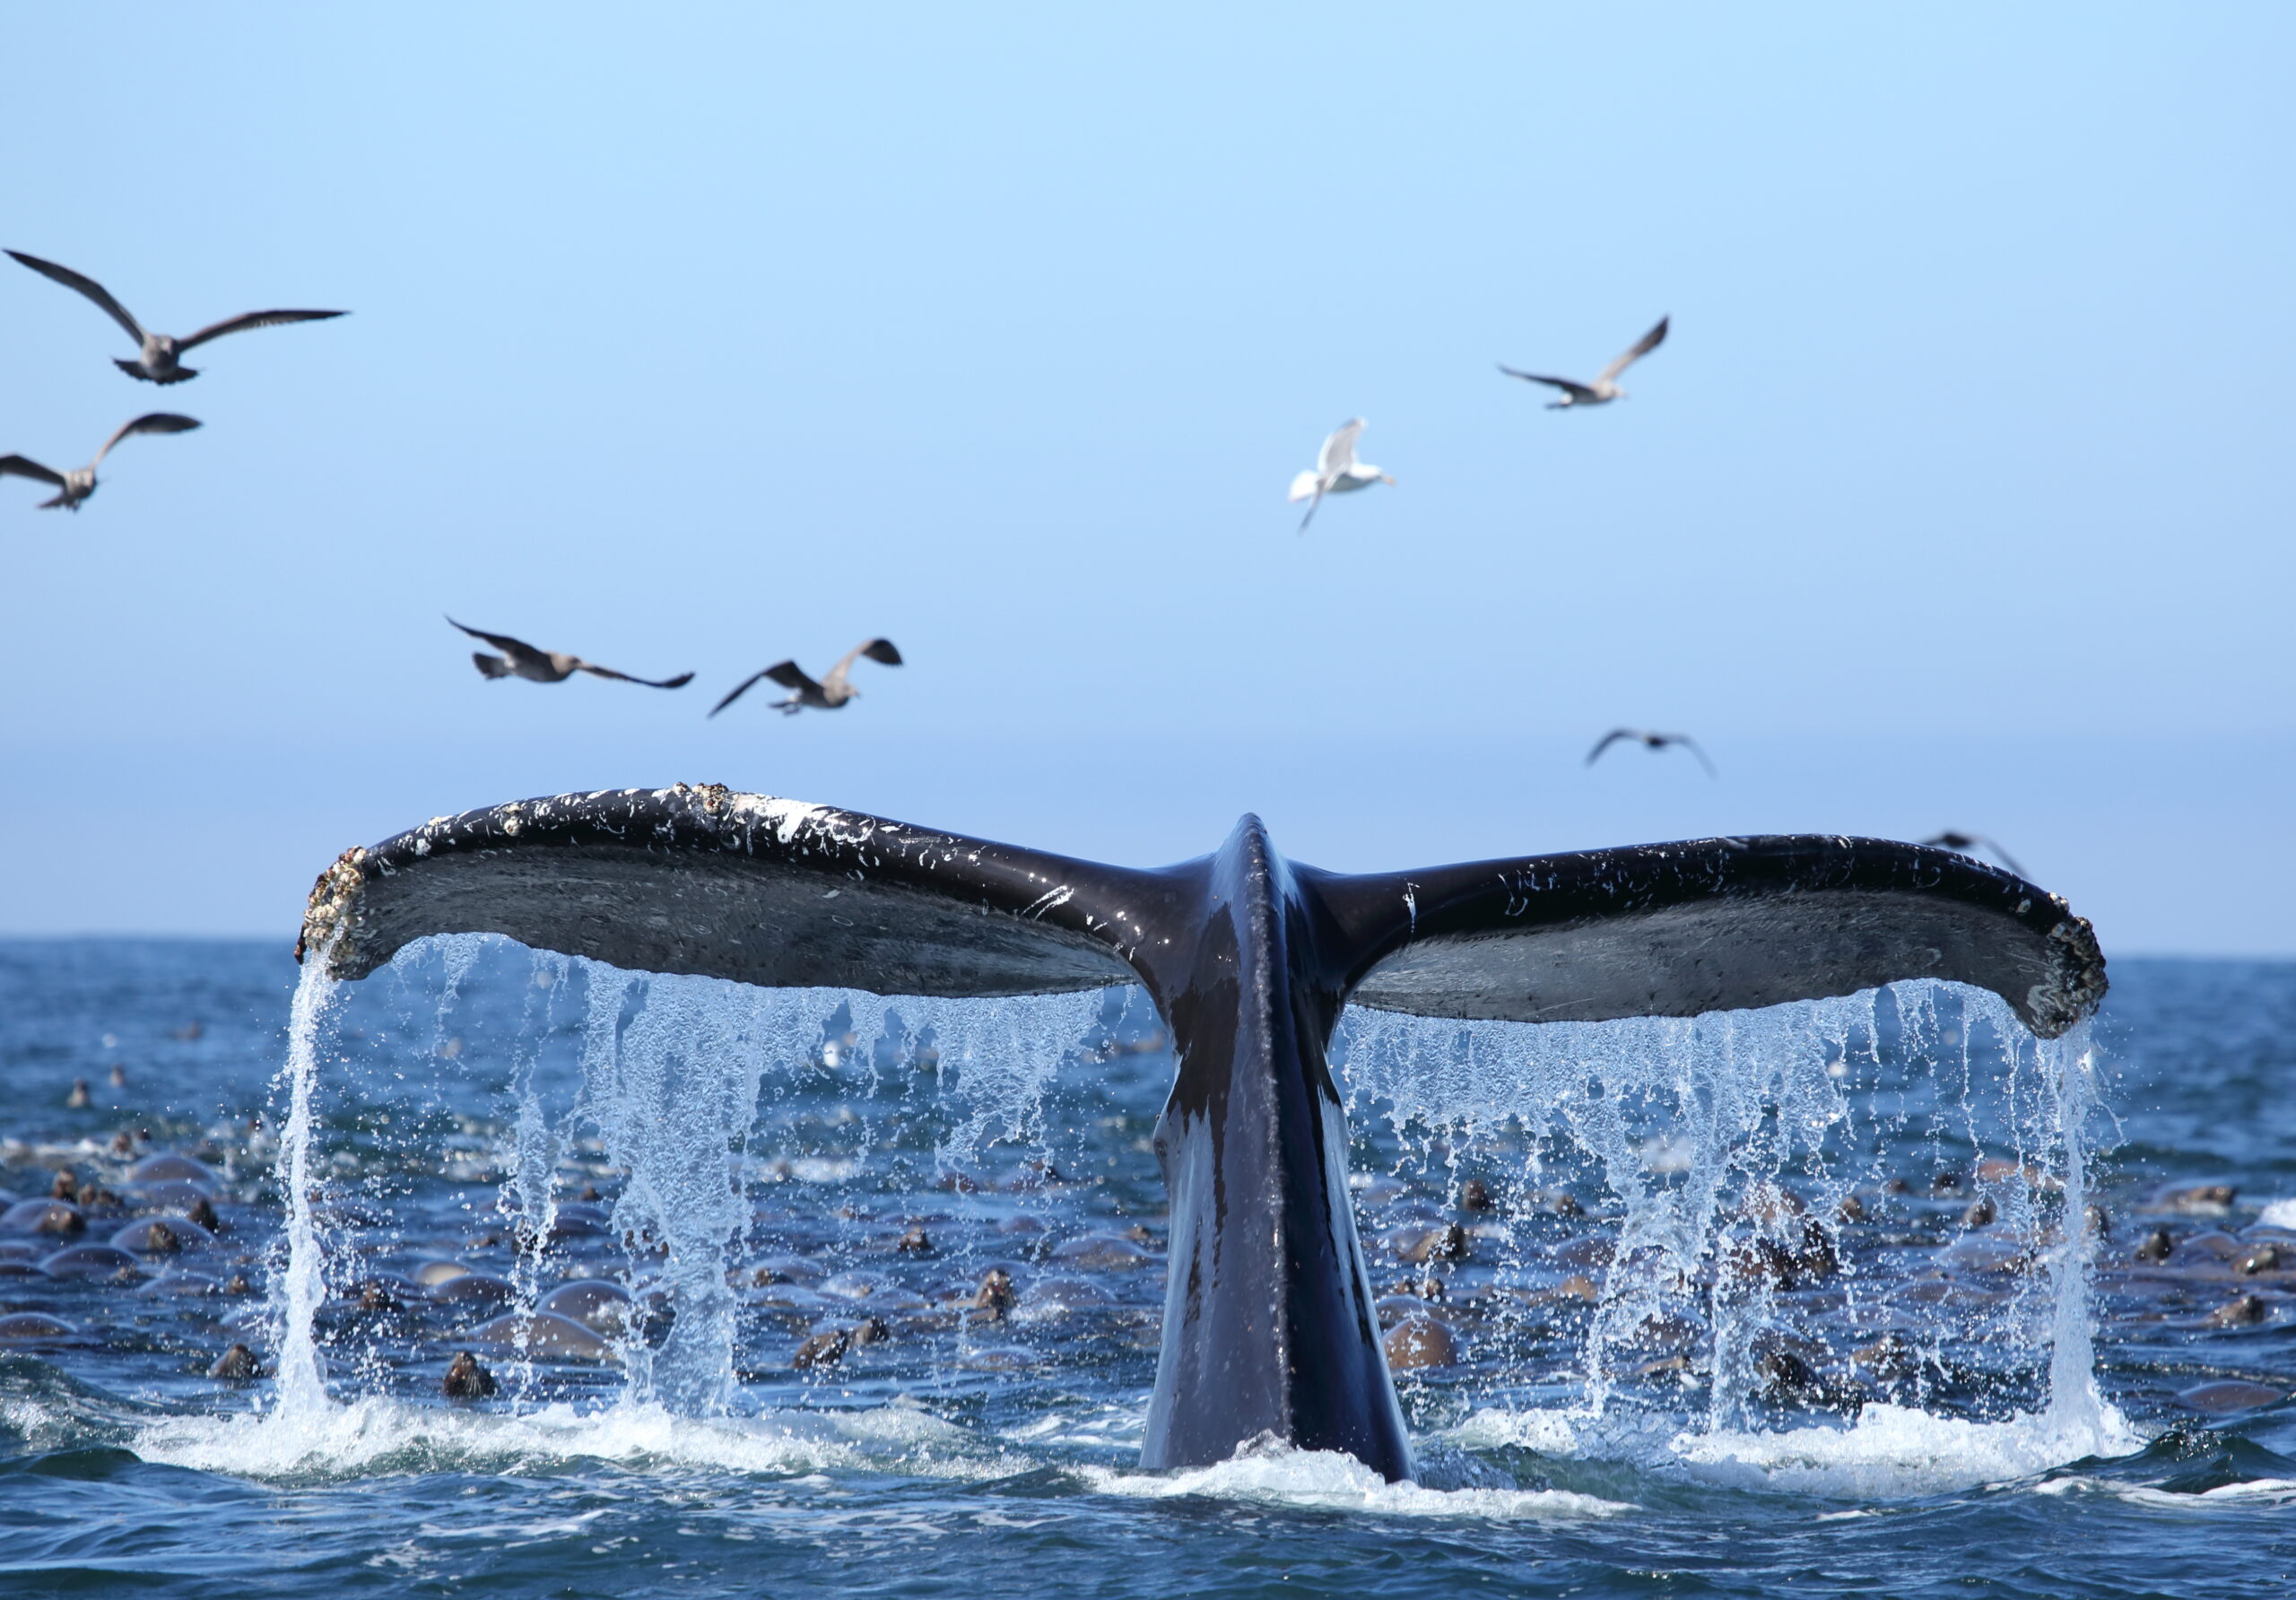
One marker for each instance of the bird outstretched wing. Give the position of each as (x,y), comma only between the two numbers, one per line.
(1609,739)
(739,689)
(1338,453)
(515,648)
(490,666)
(1954,839)
(1640,348)
(1690,744)
(875,649)
(151,422)
(787,674)
(85,285)
(680,681)
(249,320)
(1577,391)
(24,466)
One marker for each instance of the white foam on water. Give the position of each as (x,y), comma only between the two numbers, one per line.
(2278,1214)
(2259,1493)
(1895,1452)
(1269,1473)
(1890,1452)
(378,1435)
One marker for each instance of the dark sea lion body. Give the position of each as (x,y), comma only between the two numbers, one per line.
(90,1261)
(1269,1324)
(57,1217)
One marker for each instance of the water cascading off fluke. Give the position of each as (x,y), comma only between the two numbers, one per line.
(1269,1325)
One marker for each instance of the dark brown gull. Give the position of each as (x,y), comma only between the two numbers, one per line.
(1605,389)
(834,689)
(520,659)
(1653,742)
(76,485)
(159,357)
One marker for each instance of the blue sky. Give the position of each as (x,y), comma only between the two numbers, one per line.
(1958,496)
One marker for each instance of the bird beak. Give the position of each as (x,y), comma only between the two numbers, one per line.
(1386,477)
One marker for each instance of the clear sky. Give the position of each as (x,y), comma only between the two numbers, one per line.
(695,338)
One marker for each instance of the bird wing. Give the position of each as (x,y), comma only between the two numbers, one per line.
(1302,487)
(1640,348)
(790,675)
(1606,740)
(248,320)
(516,650)
(680,681)
(875,649)
(1569,386)
(1690,744)
(86,285)
(151,422)
(1954,839)
(24,466)
(1338,453)
(739,689)
(490,666)
(2007,860)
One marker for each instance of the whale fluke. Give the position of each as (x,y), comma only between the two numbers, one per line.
(1268,1322)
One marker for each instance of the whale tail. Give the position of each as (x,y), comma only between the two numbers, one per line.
(701,879)
(1269,1323)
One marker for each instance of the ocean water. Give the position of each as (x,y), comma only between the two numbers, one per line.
(1871,1297)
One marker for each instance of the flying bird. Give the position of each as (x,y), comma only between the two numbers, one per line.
(1970,843)
(159,356)
(1653,742)
(1338,472)
(832,691)
(520,659)
(1605,389)
(79,482)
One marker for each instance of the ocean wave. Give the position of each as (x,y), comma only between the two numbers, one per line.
(1279,1474)
(381,1436)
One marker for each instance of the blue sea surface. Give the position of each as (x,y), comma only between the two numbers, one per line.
(1844,1387)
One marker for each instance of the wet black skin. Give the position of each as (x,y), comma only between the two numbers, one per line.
(1268,1321)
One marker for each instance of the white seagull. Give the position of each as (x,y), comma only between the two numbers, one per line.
(1605,389)
(159,356)
(834,689)
(79,482)
(1338,472)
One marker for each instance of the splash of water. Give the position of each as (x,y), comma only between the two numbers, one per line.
(1729,1142)
(2075,1406)
(297,1292)
(997,1061)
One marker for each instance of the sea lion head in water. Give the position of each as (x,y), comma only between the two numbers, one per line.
(465,1379)
(236,1365)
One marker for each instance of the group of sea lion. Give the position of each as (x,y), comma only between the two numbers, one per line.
(1471,1271)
